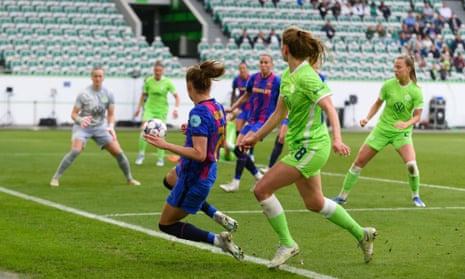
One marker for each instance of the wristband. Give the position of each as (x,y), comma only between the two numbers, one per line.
(78,120)
(111,126)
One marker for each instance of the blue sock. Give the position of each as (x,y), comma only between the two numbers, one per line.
(187,231)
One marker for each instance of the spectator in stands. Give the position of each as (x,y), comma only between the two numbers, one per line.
(410,20)
(314,3)
(336,10)
(458,63)
(262,3)
(360,10)
(301,3)
(405,29)
(385,10)
(380,31)
(454,23)
(434,52)
(373,10)
(439,23)
(323,8)
(329,30)
(244,37)
(428,11)
(404,39)
(275,3)
(417,30)
(445,11)
(426,44)
(420,20)
(458,42)
(430,30)
(260,39)
(274,39)
(370,32)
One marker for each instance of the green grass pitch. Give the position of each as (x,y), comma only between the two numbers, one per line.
(42,240)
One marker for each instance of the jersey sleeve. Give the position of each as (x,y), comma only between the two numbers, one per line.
(200,121)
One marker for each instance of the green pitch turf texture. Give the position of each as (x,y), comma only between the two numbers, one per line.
(75,231)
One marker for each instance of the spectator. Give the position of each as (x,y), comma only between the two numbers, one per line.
(439,23)
(301,3)
(454,23)
(426,44)
(260,39)
(274,39)
(458,63)
(417,30)
(434,52)
(373,10)
(420,20)
(359,9)
(385,10)
(428,12)
(336,10)
(456,43)
(370,32)
(244,37)
(275,3)
(323,7)
(262,3)
(346,9)
(445,11)
(329,30)
(410,20)
(380,31)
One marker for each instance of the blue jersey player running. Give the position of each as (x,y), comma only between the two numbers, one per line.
(205,134)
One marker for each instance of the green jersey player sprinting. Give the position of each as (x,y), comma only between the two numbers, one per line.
(155,101)
(304,97)
(403,100)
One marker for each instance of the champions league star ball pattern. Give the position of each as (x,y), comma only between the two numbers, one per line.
(155,127)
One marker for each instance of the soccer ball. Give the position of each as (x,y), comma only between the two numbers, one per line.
(155,127)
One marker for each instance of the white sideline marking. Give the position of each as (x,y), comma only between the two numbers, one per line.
(300,210)
(299,271)
(399,182)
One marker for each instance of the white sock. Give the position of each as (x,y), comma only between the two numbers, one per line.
(271,207)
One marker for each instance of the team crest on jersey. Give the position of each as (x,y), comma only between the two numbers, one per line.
(292,88)
(104,99)
(408,97)
(195,120)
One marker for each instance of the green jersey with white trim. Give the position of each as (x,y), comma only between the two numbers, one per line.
(157,95)
(301,92)
(400,102)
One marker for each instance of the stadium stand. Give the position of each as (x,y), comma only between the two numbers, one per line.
(69,37)
(354,55)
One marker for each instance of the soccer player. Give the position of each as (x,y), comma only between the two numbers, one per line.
(403,100)
(155,101)
(303,97)
(199,155)
(88,115)
(262,92)
(239,84)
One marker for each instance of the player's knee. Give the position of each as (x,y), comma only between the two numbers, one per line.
(412,168)
(355,170)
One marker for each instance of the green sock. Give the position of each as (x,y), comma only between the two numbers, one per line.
(142,145)
(341,218)
(279,224)
(349,181)
(161,154)
(414,182)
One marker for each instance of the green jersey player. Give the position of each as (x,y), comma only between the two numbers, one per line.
(304,97)
(403,100)
(154,99)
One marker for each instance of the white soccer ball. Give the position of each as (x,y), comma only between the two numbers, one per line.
(155,127)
